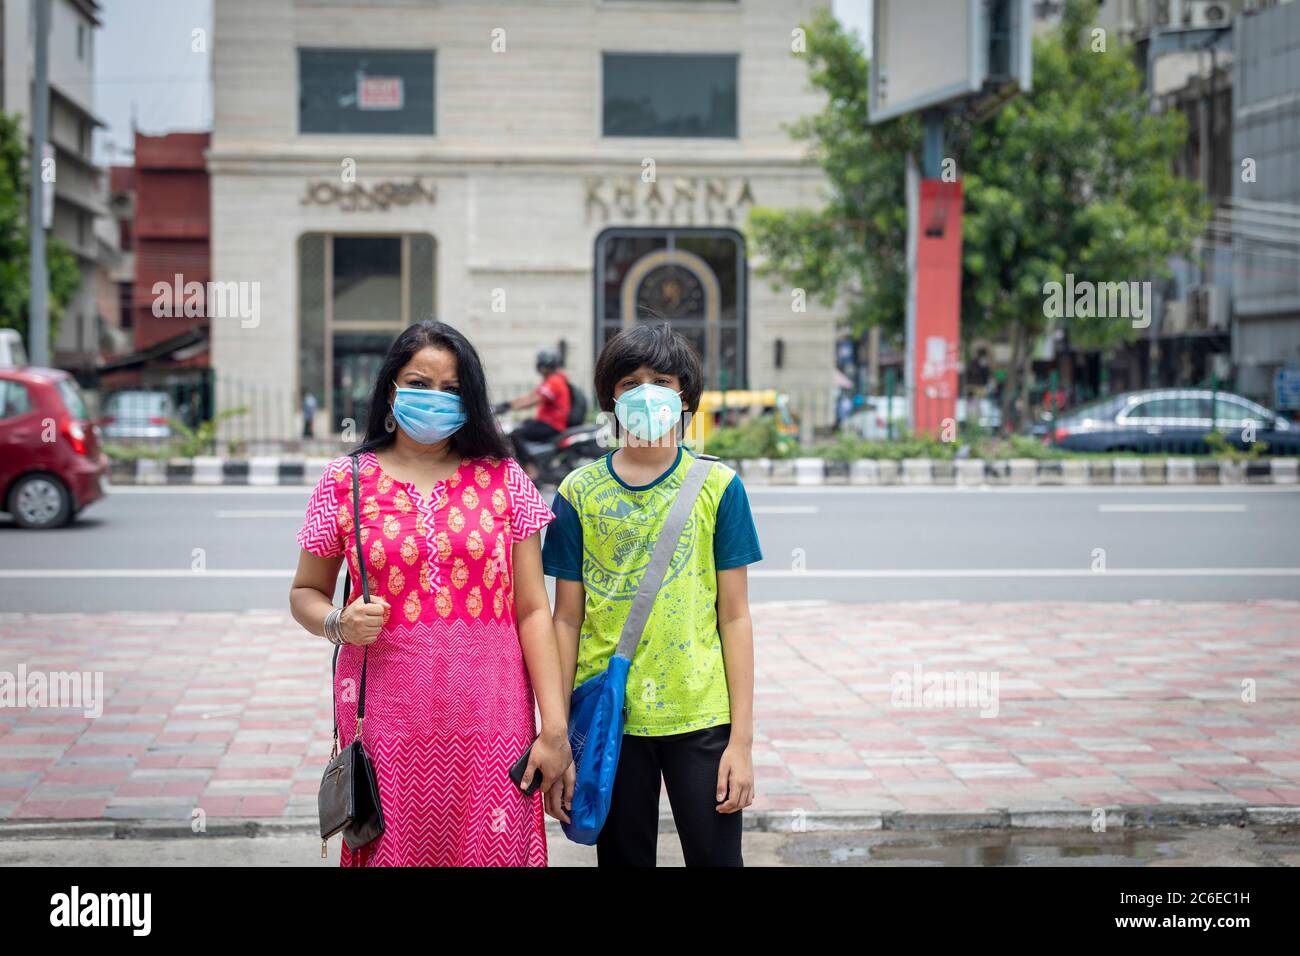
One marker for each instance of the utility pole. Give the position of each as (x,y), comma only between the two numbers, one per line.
(38,314)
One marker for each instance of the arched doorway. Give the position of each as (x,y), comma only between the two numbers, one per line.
(692,278)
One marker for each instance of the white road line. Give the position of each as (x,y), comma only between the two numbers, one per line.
(40,573)
(785,509)
(265,513)
(1171,509)
(303,491)
(1031,573)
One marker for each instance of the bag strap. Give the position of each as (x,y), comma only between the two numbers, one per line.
(347,587)
(669,535)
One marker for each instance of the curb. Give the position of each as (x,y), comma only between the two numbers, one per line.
(912,472)
(1125,816)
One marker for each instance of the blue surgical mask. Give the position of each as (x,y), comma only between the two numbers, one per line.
(426,415)
(648,411)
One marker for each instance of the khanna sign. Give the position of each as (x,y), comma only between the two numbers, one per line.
(682,200)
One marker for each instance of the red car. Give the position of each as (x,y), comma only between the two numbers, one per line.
(51,465)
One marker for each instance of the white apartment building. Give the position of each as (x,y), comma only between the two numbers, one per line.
(79,193)
(537,174)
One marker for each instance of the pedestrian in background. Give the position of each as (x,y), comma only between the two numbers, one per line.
(308,413)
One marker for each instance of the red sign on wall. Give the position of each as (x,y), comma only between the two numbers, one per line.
(936,347)
(379,92)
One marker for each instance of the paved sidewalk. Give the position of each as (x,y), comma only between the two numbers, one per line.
(1097,705)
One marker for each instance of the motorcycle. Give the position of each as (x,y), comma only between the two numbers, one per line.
(570,449)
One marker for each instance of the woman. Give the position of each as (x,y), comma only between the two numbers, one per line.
(458,620)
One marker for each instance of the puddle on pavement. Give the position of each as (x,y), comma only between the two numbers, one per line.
(1036,848)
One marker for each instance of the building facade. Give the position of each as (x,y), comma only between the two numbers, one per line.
(79,190)
(539,175)
(162,202)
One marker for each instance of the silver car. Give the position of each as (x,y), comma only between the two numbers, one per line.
(139,415)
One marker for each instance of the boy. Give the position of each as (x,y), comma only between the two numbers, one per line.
(690,688)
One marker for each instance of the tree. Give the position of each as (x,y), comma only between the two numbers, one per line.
(15,248)
(1074,177)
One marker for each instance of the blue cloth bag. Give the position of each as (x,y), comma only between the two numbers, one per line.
(598,708)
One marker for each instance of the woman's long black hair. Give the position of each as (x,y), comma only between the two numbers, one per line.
(479,437)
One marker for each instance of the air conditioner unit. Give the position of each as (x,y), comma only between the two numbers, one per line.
(1206,14)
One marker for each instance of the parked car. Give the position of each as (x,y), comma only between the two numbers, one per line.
(12,353)
(51,464)
(1173,420)
(870,420)
(985,411)
(139,414)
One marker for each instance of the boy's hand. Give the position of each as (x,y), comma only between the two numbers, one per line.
(559,799)
(735,779)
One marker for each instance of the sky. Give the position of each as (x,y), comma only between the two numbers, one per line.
(148,75)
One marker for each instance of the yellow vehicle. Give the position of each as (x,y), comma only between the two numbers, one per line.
(735,406)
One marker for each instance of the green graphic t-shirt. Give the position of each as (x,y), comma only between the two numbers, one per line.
(603,535)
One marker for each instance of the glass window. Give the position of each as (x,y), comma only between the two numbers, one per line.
(367,279)
(14,399)
(1156,408)
(72,399)
(365,91)
(1233,410)
(659,94)
(355,294)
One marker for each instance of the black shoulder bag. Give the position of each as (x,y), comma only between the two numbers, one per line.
(349,792)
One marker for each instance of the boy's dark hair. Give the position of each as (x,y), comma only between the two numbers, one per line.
(656,346)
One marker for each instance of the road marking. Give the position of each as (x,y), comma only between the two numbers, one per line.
(39,573)
(1172,509)
(785,509)
(265,513)
(305,490)
(1029,573)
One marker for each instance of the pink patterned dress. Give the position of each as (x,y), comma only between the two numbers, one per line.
(449,707)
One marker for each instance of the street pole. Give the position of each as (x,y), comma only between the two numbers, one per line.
(38,316)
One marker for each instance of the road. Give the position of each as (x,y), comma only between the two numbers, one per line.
(211,549)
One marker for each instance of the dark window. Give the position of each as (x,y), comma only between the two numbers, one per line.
(657,94)
(365,91)
(14,399)
(126,305)
(367,278)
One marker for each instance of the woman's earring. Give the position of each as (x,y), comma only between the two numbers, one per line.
(389,423)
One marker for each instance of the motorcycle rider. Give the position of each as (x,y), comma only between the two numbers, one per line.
(553,398)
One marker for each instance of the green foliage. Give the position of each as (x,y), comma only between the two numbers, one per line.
(186,443)
(15,258)
(1074,177)
(1220,447)
(756,438)
(849,448)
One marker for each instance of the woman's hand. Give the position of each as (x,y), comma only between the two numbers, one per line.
(735,778)
(361,621)
(559,799)
(551,755)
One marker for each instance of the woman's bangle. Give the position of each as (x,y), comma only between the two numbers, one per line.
(333,626)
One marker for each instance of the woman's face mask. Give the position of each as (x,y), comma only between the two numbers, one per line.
(426,415)
(648,411)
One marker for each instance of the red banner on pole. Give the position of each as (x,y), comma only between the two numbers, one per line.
(936,348)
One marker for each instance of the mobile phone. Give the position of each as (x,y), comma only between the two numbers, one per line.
(517,773)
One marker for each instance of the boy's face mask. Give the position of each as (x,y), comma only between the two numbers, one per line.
(648,411)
